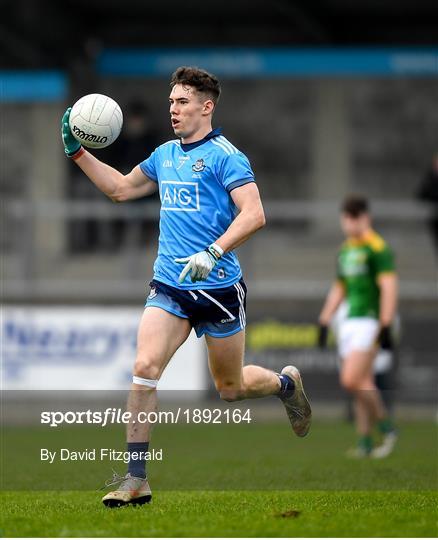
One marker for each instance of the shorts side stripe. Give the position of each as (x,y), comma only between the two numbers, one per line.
(223,308)
(242,311)
(240,296)
(242,303)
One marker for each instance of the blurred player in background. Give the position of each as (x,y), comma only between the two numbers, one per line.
(210,205)
(384,367)
(367,281)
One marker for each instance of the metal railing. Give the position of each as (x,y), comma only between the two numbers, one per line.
(36,268)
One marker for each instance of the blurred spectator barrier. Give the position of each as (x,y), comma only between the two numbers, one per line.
(84,348)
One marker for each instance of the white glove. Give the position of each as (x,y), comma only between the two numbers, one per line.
(200,264)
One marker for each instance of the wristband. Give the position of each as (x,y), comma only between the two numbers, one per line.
(76,154)
(215,250)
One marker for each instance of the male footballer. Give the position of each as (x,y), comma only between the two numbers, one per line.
(366,279)
(210,205)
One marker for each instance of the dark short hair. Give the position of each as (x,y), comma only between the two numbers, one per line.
(355,206)
(204,82)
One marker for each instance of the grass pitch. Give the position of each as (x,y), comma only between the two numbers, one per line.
(231,513)
(227,481)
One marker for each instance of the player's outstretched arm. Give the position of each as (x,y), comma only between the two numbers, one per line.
(114,184)
(117,186)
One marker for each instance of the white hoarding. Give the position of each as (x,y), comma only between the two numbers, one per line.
(85,348)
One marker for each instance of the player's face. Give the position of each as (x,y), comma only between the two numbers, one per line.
(187,111)
(354,226)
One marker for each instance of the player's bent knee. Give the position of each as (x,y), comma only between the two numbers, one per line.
(230,394)
(146,370)
(351,384)
(348,383)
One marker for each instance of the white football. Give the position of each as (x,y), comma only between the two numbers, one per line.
(96,120)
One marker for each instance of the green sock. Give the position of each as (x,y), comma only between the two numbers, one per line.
(385,426)
(366,442)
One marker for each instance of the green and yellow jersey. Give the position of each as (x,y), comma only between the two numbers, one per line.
(360,262)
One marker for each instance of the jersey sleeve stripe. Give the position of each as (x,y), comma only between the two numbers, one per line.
(224,140)
(224,148)
(227,143)
(173,141)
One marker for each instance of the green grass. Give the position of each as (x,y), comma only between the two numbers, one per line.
(256,480)
(231,513)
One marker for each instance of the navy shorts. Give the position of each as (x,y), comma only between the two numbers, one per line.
(216,312)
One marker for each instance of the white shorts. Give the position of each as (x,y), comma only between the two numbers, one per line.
(357,334)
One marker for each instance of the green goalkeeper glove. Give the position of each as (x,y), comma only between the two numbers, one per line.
(71,145)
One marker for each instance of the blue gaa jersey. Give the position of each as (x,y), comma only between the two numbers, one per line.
(195,181)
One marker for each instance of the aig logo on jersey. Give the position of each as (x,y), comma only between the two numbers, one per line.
(179,196)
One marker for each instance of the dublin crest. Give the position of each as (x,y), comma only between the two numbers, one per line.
(199,166)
